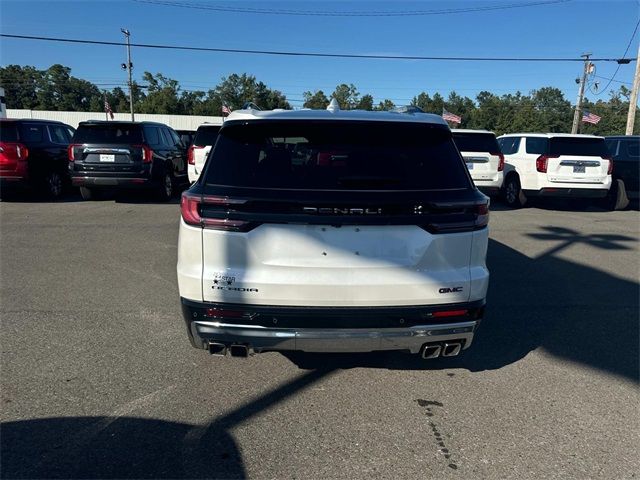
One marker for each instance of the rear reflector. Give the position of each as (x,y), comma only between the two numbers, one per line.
(450,313)
(223,313)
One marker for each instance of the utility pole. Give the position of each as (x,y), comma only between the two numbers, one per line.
(128,67)
(583,81)
(631,116)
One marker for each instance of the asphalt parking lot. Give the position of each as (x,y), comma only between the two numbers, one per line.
(99,379)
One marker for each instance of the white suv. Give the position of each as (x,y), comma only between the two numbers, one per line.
(328,231)
(554,165)
(483,157)
(199,150)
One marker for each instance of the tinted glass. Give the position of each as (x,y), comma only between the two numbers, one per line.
(612,147)
(109,134)
(537,145)
(30,132)
(578,146)
(339,155)
(8,132)
(58,134)
(152,136)
(476,142)
(206,135)
(633,149)
(173,137)
(509,145)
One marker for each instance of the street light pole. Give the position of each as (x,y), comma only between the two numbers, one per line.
(583,81)
(129,66)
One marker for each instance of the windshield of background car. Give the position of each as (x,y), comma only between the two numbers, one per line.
(109,134)
(578,146)
(476,142)
(337,155)
(8,132)
(206,135)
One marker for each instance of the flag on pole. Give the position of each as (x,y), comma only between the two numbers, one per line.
(589,117)
(451,117)
(107,109)
(226,110)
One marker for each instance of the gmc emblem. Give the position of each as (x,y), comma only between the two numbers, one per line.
(450,290)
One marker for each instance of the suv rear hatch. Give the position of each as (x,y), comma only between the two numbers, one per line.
(109,147)
(336,213)
(205,138)
(581,160)
(481,153)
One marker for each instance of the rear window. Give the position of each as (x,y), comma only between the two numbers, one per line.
(337,155)
(31,132)
(8,132)
(476,142)
(578,146)
(113,134)
(206,135)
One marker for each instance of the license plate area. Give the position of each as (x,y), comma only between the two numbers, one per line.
(469,166)
(579,169)
(107,157)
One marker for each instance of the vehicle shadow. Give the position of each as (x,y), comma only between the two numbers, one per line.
(574,312)
(129,447)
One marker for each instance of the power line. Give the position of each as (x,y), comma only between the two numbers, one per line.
(319,13)
(313,54)
(612,79)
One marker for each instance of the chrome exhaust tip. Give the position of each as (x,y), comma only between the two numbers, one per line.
(217,349)
(239,351)
(451,349)
(431,351)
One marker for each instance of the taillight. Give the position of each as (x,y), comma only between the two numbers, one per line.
(500,161)
(10,151)
(610,167)
(464,219)
(71,151)
(541,163)
(191,157)
(482,215)
(191,206)
(147,153)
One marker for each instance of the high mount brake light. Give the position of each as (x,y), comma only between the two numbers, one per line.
(191,207)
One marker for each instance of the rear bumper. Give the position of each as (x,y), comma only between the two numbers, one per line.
(346,330)
(568,192)
(91,181)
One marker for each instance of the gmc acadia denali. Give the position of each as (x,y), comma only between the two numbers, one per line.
(333,231)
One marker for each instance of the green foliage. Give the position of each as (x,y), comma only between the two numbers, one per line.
(543,110)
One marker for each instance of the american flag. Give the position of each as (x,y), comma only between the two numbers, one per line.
(107,109)
(451,117)
(589,117)
(226,110)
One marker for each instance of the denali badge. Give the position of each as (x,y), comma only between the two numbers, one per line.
(450,290)
(342,211)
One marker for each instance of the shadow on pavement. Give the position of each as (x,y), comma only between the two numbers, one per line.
(127,447)
(574,312)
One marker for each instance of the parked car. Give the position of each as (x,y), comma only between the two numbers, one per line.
(186,136)
(33,154)
(554,165)
(483,157)
(205,138)
(625,151)
(127,155)
(326,231)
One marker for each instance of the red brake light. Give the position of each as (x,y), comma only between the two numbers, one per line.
(500,162)
(542,163)
(190,207)
(71,151)
(482,215)
(11,152)
(610,167)
(191,157)
(147,153)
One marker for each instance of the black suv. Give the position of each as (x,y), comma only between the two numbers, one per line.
(33,154)
(127,154)
(625,151)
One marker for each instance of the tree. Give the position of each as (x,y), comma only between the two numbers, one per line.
(20,85)
(347,96)
(317,100)
(58,90)
(162,95)
(365,103)
(386,105)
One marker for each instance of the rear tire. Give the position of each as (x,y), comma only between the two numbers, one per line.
(514,197)
(88,193)
(617,198)
(54,185)
(165,188)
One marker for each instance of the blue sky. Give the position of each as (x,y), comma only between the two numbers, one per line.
(554,30)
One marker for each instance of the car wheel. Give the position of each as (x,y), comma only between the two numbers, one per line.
(165,188)
(87,193)
(513,194)
(617,197)
(54,184)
